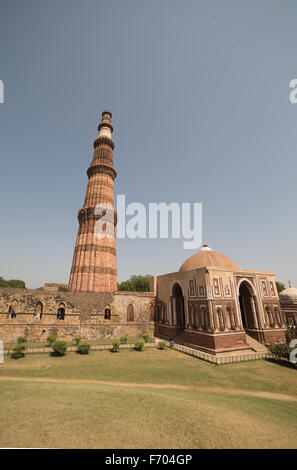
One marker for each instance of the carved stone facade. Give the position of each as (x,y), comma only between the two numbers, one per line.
(39,313)
(214,305)
(288,301)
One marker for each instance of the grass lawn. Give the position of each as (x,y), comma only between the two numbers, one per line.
(150,399)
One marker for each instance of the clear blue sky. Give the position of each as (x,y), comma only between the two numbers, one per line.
(199,92)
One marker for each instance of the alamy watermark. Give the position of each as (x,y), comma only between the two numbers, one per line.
(293,94)
(293,354)
(158,220)
(1,92)
(1,352)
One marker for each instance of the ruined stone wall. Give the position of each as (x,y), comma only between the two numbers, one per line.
(84,314)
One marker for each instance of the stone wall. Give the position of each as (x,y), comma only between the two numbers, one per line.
(84,314)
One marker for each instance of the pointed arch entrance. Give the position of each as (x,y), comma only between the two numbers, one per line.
(247,306)
(178,305)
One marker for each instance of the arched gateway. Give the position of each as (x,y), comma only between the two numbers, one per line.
(247,306)
(178,305)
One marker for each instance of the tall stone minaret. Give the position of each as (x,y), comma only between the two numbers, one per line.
(94,267)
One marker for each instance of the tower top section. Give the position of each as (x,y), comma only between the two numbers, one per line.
(105,130)
(105,124)
(107,112)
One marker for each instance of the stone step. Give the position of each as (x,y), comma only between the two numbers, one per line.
(255,345)
(179,338)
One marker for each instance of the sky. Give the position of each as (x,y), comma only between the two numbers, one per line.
(199,92)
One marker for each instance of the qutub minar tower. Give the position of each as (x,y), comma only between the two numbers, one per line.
(209,304)
(94,266)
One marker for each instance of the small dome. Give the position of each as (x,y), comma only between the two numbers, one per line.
(289,293)
(207,257)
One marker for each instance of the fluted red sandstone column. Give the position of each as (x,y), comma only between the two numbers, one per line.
(94,266)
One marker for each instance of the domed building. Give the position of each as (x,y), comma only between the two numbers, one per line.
(213,305)
(288,302)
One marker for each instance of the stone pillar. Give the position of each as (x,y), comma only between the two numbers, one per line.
(211,317)
(187,316)
(174,309)
(254,312)
(170,312)
(94,266)
(258,315)
(238,317)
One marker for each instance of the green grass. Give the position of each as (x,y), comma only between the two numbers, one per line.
(198,405)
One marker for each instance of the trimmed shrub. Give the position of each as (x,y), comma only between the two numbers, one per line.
(59,347)
(115,345)
(280,350)
(18,351)
(139,345)
(21,340)
(288,336)
(77,340)
(51,339)
(162,345)
(83,348)
(124,339)
(146,337)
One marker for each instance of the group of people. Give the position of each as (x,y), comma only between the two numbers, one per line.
(293,329)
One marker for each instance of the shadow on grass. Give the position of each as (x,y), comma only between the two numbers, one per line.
(56,354)
(282,362)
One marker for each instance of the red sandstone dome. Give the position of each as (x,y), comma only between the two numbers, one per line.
(207,257)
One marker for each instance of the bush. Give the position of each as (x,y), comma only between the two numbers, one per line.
(59,347)
(21,340)
(83,348)
(51,339)
(77,340)
(146,337)
(115,345)
(124,339)
(288,336)
(139,345)
(162,345)
(280,350)
(18,351)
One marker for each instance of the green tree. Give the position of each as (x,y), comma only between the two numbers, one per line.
(83,347)
(13,283)
(280,286)
(139,345)
(280,350)
(18,351)
(16,283)
(115,345)
(136,283)
(3,283)
(59,347)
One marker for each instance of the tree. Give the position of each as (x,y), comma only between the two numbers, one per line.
(280,350)
(16,283)
(13,283)
(136,284)
(3,283)
(280,286)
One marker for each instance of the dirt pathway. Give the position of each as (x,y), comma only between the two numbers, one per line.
(228,391)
